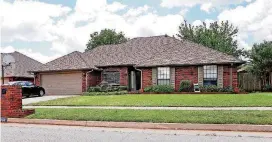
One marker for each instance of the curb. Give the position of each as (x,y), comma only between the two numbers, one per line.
(146,125)
(153,108)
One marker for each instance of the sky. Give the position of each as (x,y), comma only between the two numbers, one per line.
(48,29)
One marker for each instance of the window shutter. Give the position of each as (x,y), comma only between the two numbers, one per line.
(220,77)
(172,76)
(154,76)
(200,75)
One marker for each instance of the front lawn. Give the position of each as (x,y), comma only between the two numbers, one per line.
(217,100)
(157,116)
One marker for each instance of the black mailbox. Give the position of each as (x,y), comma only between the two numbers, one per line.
(3,91)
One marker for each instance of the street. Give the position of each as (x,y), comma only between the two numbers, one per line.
(52,133)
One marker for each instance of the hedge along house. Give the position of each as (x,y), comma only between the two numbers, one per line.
(18,71)
(139,63)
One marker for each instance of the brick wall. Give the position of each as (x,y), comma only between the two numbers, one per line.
(185,73)
(11,102)
(94,78)
(226,76)
(146,77)
(37,79)
(84,87)
(123,74)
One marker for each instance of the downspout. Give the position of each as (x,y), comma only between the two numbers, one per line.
(141,76)
(87,78)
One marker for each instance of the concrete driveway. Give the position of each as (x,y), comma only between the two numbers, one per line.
(43,98)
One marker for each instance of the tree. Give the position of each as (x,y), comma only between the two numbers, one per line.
(220,37)
(105,37)
(261,60)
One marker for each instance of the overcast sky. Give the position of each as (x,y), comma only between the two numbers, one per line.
(47,29)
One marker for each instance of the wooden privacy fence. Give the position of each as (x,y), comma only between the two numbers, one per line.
(249,82)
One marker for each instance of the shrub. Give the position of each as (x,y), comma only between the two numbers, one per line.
(121,88)
(228,89)
(148,89)
(159,89)
(107,88)
(94,89)
(185,86)
(163,88)
(267,87)
(214,88)
(105,93)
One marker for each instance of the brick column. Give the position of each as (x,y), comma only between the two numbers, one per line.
(146,77)
(84,87)
(11,102)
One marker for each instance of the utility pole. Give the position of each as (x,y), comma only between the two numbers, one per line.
(5,62)
(3,74)
(2,69)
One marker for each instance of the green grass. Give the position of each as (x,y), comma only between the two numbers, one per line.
(218,100)
(157,116)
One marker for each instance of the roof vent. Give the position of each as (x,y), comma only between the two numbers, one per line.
(165,35)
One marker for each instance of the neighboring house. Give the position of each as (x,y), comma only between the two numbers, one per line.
(139,63)
(18,71)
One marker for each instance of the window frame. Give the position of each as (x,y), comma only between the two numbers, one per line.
(115,81)
(210,75)
(163,77)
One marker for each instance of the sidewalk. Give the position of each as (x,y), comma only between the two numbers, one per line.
(146,125)
(156,108)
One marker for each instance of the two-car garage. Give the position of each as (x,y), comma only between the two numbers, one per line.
(62,83)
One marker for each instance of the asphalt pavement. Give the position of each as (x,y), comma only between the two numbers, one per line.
(52,133)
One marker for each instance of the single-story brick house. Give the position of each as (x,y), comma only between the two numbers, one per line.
(138,63)
(18,71)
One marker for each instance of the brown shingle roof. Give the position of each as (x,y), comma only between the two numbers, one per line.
(142,52)
(22,64)
(72,61)
(130,53)
(188,53)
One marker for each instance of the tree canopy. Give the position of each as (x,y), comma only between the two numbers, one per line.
(261,59)
(217,36)
(105,37)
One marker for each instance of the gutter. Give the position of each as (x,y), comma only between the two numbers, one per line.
(141,77)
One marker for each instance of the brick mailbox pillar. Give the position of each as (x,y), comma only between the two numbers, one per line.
(11,102)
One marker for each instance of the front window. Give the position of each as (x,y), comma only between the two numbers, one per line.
(163,76)
(112,77)
(210,75)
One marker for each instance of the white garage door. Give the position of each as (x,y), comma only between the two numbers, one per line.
(62,83)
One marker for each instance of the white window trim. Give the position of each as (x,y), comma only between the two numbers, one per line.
(168,75)
(212,72)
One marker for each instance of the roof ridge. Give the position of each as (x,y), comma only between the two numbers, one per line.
(27,56)
(62,57)
(154,55)
(212,49)
(150,36)
(85,62)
